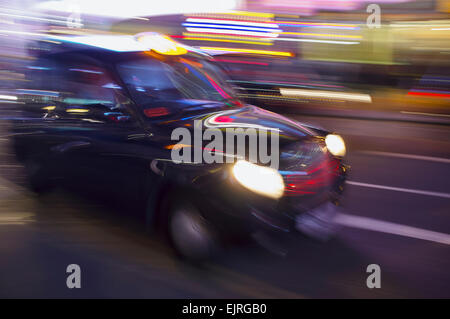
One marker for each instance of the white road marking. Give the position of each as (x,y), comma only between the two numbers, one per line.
(428,114)
(399,189)
(409,156)
(391,228)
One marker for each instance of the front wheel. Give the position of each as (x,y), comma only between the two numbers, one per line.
(191,235)
(38,174)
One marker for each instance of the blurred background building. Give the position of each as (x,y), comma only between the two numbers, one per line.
(299,55)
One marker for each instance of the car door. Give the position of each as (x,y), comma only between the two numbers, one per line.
(102,141)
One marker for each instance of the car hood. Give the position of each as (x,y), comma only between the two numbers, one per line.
(217,115)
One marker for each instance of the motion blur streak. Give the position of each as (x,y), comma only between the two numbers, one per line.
(447,95)
(16,219)
(327,94)
(231,31)
(426,114)
(236,22)
(250,51)
(399,189)
(8,97)
(222,36)
(391,228)
(316,41)
(225,40)
(240,61)
(318,24)
(409,156)
(328,35)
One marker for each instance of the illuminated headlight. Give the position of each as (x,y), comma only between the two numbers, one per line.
(335,144)
(259,179)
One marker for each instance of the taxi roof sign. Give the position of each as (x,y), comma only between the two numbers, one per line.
(147,41)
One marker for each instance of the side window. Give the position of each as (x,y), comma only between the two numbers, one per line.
(76,89)
(83,85)
(69,83)
(91,94)
(148,81)
(40,79)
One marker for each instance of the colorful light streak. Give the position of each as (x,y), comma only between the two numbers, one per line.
(317,24)
(224,36)
(317,41)
(240,61)
(329,35)
(249,51)
(218,88)
(224,40)
(356,97)
(237,32)
(429,94)
(230,27)
(234,22)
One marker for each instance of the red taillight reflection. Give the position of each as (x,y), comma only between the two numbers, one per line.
(318,177)
(155,112)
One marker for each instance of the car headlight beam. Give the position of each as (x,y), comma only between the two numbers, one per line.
(335,144)
(262,180)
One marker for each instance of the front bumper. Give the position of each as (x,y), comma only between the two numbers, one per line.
(235,210)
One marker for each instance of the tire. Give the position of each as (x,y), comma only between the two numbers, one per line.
(190,234)
(38,174)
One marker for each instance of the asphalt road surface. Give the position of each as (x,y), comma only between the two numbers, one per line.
(395,213)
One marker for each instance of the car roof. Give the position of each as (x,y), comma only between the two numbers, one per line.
(109,47)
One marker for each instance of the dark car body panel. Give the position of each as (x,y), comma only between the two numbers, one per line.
(126,155)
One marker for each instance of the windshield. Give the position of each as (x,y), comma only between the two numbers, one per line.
(150,80)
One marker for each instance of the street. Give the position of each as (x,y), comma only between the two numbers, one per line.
(395,213)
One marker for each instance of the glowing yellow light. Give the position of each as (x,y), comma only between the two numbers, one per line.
(335,145)
(259,179)
(161,44)
(176,146)
(77,110)
(49,108)
(265,52)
